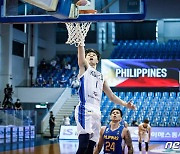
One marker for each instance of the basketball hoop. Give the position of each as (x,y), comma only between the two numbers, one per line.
(77,33)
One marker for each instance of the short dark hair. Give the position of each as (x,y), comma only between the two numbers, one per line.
(146,121)
(118,110)
(95,51)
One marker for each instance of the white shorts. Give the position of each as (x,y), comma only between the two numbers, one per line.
(144,137)
(88,122)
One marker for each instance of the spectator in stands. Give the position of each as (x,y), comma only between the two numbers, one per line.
(17,105)
(111,136)
(74,86)
(43,65)
(144,133)
(63,80)
(51,124)
(50,82)
(11,91)
(66,120)
(67,66)
(6,94)
(53,63)
(8,104)
(40,81)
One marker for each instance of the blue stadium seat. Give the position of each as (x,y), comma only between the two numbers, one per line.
(150,94)
(166,94)
(129,94)
(143,94)
(172,94)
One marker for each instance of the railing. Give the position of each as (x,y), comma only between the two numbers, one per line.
(17,117)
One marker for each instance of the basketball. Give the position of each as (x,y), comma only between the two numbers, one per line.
(82,3)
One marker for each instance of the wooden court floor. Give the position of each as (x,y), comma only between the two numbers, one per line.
(44,146)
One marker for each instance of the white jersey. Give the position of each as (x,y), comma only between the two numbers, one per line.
(91,87)
(144,130)
(144,133)
(87,112)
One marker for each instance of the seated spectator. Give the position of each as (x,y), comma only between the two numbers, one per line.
(63,80)
(53,63)
(18,105)
(67,66)
(50,82)
(40,81)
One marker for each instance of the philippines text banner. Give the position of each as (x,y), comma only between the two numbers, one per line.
(141,72)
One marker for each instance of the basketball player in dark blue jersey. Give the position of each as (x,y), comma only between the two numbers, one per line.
(112,135)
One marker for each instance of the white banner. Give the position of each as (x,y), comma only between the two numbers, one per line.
(157,133)
(68,132)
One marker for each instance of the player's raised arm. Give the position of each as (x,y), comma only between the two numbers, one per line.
(116,99)
(82,62)
(100,143)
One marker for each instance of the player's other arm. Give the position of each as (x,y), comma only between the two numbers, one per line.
(82,63)
(100,143)
(127,138)
(114,98)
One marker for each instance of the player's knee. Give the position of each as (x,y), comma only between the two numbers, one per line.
(83,140)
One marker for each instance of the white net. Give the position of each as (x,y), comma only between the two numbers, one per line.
(77,33)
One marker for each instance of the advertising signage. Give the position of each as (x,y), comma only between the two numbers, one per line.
(158,73)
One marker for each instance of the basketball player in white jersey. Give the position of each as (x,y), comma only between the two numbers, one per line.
(144,133)
(87,112)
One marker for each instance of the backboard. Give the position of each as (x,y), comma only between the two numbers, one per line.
(55,11)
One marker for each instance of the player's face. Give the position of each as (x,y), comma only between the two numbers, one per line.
(145,125)
(116,115)
(92,59)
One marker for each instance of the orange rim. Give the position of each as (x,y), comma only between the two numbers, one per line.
(87,11)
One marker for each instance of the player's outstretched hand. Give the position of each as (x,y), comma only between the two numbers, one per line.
(130,105)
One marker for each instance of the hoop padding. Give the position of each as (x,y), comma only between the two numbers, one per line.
(77,32)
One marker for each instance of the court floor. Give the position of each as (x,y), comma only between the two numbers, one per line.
(45,146)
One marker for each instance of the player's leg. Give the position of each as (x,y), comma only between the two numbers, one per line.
(90,148)
(96,125)
(140,142)
(146,146)
(83,143)
(146,138)
(84,128)
(140,146)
